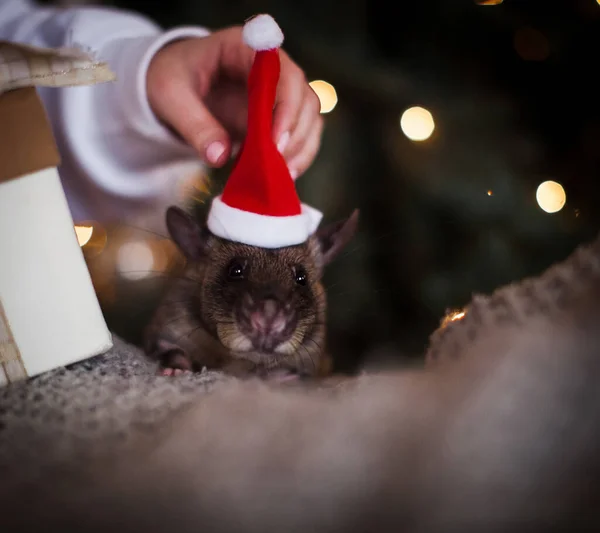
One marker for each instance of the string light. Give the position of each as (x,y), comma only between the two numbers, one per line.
(489,193)
(326,93)
(453,316)
(551,196)
(417,123)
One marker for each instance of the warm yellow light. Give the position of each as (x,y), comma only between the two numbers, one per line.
(417,123)
(491,2)
(551,196)
(489,193)
(84,234)
(326,93)
(452,316)
(135,260)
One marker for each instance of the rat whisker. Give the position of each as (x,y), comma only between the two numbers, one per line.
(189,333)
(225,323)
(145,230)
(171,301)
(303,361)
(310,357)
(314,341)
(311,339)
(351,251)
(174,303)
(300,345)
(329,287)
(318,345)
(181,317)
(161,274)
(146,271)
(295,357)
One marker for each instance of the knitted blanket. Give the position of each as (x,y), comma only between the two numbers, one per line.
(501,433)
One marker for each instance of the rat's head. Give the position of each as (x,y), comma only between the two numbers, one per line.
(261,303)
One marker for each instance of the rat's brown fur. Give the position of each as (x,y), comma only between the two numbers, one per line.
(196,326)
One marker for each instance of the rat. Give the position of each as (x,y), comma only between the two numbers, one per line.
(243,309)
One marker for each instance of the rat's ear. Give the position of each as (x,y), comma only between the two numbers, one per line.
(187,234)
(334,237)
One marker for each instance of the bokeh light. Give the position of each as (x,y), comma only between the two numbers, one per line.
(551,196)
(453,316)
(531,44)
(135,260)
(490,2)
(417,123)
(326,93)
(91,236)
(84,234)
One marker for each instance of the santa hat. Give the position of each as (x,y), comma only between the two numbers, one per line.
(259,205)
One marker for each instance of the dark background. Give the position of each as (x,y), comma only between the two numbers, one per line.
(512,88)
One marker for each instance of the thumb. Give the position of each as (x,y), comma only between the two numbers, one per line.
(184,111)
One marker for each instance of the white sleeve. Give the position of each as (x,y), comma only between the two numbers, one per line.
(117,157)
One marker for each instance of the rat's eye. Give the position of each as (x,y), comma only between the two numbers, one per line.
(236,270)
(300,275)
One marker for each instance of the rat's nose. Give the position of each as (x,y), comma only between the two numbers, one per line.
(268,318)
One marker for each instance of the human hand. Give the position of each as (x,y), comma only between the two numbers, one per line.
(198,88)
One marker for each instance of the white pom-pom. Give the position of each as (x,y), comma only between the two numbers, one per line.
(262,33)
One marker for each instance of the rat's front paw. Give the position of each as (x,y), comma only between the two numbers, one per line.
(174,363)
(167,371)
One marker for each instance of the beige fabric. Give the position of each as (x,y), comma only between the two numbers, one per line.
(25,66)
(11,366)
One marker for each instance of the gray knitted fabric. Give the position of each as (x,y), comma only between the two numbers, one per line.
(76,412)
(500,433)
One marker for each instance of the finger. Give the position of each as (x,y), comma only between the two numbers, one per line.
(229,105)
(185,112)
(309,151)
(288,101)
(235,58)
(309,115)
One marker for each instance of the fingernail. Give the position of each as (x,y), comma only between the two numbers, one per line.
(215,151)
(283,141)
(294,173)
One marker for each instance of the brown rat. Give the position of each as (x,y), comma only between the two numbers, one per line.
(245,309)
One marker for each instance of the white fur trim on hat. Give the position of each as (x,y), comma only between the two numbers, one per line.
(264,231)
(262,33)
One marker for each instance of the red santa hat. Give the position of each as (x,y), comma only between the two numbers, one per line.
(259,205)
